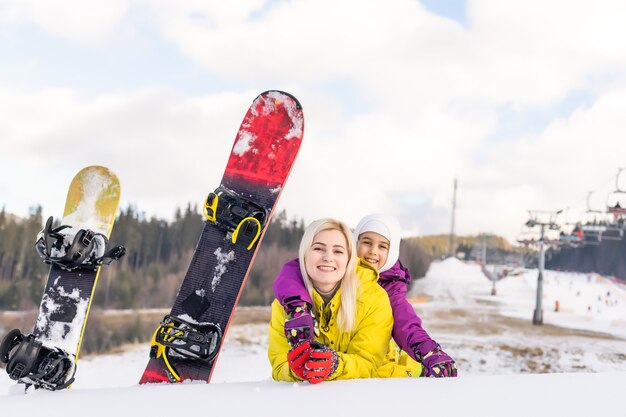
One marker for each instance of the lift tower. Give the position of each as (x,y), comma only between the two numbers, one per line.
(544,220)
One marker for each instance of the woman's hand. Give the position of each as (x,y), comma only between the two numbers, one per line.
(313,362)
(322,363)
(298,357)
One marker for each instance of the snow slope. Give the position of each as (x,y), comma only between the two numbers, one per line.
(586,301)
(496,348)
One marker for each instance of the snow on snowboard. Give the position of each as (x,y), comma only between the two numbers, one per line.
(75,251)
(186,344)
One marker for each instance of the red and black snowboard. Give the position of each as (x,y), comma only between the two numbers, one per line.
(186,344)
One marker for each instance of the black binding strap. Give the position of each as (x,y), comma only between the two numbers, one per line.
(29,362)
(80,253)
(200,341)
(227,209)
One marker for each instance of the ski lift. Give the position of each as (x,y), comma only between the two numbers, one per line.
(593,225)
(527,237)
(542,217)
(613,232)
(552,237)
(614,228)
(546,221)
(616,200)
(571,234)
(616,206)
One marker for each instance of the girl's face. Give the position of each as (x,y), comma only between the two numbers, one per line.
(373,248)
(326,260)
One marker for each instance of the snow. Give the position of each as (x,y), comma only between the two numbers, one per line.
(244,142)
(573,365)
(524,396)
(490,335)
(586,301)
(60,334)
(297,118)
(223,259)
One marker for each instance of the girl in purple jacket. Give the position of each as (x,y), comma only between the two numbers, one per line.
(379,244)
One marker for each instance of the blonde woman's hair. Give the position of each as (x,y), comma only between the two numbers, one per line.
(346,315)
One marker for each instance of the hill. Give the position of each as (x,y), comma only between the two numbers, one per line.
(437,245)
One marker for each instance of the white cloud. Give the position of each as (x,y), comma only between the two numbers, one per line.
(83,22)
(552,170)
(521,53)
(166,148)
(536,52)
(429,93)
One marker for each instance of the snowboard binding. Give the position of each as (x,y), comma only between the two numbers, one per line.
(180,339)
(29,362)
(85,249)
(233,213)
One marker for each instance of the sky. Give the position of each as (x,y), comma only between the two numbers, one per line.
(521,101)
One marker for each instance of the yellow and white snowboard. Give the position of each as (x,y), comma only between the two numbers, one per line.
(47,357)
(91,203)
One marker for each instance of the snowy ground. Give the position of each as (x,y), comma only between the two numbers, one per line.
(494,334)
(574,364)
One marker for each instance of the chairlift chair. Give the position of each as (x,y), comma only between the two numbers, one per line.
(552,237)
(571,234)
(526,240)
(526,236)
(614,231)
(593,224)
(616,200)
(591,238)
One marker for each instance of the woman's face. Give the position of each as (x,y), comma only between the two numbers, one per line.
(373,248)
(327,259)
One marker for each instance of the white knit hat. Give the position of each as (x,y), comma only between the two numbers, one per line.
(386,226)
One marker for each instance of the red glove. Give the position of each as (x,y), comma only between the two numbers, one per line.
(322,363)
(297,358)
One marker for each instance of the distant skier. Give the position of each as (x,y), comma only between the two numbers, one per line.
(379,244)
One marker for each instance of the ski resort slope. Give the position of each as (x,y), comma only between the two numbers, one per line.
(458,310)
(585,301)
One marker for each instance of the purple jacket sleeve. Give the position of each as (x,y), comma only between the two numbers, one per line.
(289,284)
(407,326)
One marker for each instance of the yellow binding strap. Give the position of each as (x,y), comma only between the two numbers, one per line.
(210,207)
(162,353)
(258,231)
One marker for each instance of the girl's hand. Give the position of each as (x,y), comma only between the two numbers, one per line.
(436,362)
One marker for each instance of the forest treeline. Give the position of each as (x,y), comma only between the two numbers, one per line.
(158,253)
(437,246)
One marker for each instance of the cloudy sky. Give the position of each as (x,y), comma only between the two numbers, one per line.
(523,101)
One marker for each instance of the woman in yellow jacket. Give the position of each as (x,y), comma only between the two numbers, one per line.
(354,315)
